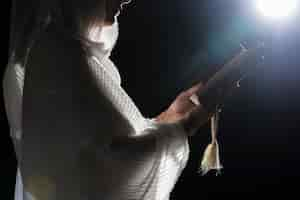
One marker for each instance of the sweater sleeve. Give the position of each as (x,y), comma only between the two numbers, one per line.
(154,136)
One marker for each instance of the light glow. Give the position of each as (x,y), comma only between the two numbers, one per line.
(277,9)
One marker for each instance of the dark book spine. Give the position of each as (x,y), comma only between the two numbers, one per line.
(221,84)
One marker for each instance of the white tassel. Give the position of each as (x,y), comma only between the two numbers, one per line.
(211,158)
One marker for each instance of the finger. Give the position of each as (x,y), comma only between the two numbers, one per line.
(196,88)
(194,98)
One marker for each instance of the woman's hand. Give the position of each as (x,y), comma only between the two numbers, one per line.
(185,112)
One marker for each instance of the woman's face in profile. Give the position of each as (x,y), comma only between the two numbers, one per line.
(112,8)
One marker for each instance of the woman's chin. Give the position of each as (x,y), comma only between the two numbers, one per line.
(110,21)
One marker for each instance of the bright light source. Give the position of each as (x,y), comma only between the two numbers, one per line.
(277,9)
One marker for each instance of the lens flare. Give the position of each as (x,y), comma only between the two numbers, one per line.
(277,9)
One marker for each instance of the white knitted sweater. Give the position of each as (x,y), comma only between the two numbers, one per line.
(123,173)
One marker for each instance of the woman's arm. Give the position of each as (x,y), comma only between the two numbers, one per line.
(66,116)
(69,123)
(63,105)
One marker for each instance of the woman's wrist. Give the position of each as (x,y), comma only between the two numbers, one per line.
(160,117)
(167,117)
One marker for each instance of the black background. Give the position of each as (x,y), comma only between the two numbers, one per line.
(163,47)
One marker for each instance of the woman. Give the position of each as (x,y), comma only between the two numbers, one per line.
(77,134)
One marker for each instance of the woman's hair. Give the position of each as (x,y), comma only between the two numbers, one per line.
(27,19)
(30,17)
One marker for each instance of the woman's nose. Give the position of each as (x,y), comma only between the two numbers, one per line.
(126,1)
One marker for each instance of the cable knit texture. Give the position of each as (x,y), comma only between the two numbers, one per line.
(128,176)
